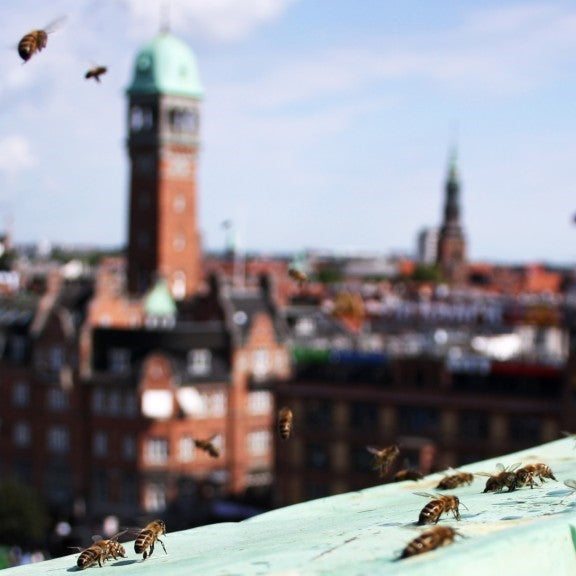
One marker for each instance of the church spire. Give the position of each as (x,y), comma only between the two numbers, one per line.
(451,256)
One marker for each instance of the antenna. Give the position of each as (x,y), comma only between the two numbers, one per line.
(165,17)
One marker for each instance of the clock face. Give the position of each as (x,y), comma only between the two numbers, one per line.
(141,118)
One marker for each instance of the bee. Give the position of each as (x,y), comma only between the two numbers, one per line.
(36,40)
(148,537)
(504,478)
(95,72)
(440,504)
(102,550)
(285,422)
(526,474)
(408,474)
(384,458)
(299,275)
(208,446)
(429,540)
(455,480)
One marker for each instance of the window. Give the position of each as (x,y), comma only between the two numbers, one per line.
(524,428)
(260,364)
(179,242)
(129,447)
(115,405)
(17,348)
(186,449)
(360,459)
(318,413)
(179,203)
(57,400)
(21,434)
(157,450)
(100,444)
(216,404)
(179,285)
(364,416)
(259,402)
(418,421)
(259,442)
(199,362)
(130,404)
(155,497)
(56,357)
(473,425)
(119,360)
(21,394)
(58,439)
(98,401)
(317,456)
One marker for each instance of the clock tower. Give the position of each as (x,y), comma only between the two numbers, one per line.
(163,142)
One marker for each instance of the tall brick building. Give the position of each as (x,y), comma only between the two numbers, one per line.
(163,140)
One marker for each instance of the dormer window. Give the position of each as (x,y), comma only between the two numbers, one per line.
(199,362)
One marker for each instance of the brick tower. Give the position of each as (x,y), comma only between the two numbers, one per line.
(163,123)
(451,256)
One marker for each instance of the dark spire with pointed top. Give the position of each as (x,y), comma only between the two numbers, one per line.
(451,255)
(452,201)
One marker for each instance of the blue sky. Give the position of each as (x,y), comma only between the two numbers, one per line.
(327,124)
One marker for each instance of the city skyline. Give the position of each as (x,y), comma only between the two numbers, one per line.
(341,120)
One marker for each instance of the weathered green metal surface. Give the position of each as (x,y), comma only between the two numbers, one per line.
(527,531)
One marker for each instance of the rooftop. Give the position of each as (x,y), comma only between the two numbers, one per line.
(527,531)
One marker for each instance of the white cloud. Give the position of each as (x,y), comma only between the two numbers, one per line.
(220,20)
(15,154)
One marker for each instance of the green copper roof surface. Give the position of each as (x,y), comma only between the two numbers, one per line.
(159,301)
(521,533)
(166,65)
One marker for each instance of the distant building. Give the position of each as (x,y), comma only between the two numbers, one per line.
(109,382)
(449,380)
(427,246)
(451,255)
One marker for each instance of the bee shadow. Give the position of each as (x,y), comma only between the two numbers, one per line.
(125,562)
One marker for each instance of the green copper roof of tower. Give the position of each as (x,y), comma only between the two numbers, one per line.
(166,66)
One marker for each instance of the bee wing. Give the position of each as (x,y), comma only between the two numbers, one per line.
(513,467)
(571,483)
(55,24)
(427,494)
(500,467)
(97,537)
(373,450)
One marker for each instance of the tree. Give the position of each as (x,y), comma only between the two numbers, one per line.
(23,518)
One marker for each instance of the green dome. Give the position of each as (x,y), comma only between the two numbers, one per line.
(159,301)
(166,66)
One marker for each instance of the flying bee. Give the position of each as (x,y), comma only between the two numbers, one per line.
(430,540)
(207,445)
(504,478)
(148,537)
(440,504)
(299,275)
(528,473)
(36,40)
(285,422)
(384,458)
(455,480)
(95,72)
(408,474)
(571,483)
(102,550)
